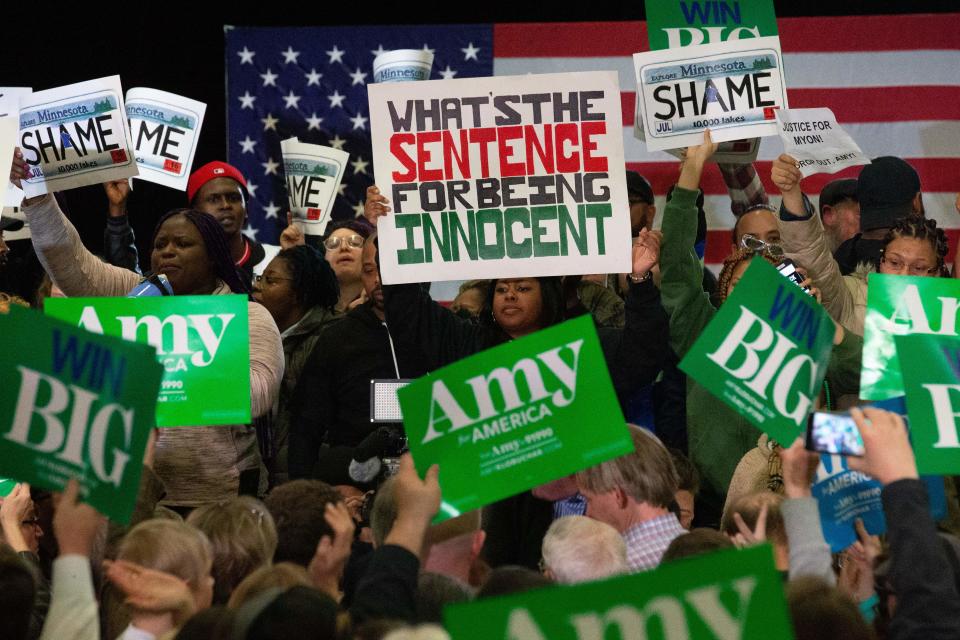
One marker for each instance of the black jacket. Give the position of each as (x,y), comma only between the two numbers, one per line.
(331,403)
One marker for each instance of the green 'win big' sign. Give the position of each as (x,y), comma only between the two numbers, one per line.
(681,23)
(515,416)
(728,594)
(75,404)
(203,343)
(766,352)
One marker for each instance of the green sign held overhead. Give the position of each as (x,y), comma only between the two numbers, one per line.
(728,594)
(75,404)
(682,23)
(766,352)
(902,305)
(515,416)
(203,343)
(931,377)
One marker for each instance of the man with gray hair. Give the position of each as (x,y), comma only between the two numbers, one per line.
(580,549)
(632,494)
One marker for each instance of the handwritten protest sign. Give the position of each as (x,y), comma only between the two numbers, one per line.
(74,136)
(727,594)
(164,129)
(202,342)
(765,353)
(732,88)
(75,404)
(313,173)
(817,142)
(501,177)
(901,305)
(515,416)
(10,108)
(931,375)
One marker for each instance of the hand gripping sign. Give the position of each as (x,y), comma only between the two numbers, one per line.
(74,136)
(815,140)
(313,173)
(164,128)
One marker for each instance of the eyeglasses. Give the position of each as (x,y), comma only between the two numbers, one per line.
(232,197)
(898,265)
(270,280)
(756,245)
(333,242)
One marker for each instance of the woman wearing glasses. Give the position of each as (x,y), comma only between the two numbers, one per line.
(343,244)
(912,246)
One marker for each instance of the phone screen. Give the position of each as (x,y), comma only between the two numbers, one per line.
(834,433)
(789,270)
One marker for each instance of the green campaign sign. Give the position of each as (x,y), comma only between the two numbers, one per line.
(728,594)
(682,23)
(901,305)
(931,377)
(203,343)
(515,416)
(75,404)
(766,352)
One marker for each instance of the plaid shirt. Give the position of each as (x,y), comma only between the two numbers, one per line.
(647,541)
(744,187)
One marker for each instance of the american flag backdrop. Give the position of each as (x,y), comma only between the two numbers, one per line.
(892,81)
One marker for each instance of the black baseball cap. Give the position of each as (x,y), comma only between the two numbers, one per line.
(837,191)
(638,188)
(886,188)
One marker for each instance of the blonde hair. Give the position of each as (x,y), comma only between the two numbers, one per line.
(242,536)
(169,546)
(282,575)
(646,475)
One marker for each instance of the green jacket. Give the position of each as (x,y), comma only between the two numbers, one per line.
(718,436)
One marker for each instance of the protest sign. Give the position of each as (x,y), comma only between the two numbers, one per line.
(515,416)
(731,593)
(75,404)
(313,173)
(843,496)
(816,141)
(680,23)
(74,136)
(931,377)
(513,176)
(403,65)
(732,88)
(10,108)
(164,129)
(901,305)
(203,343)
(8,143)
(765,353)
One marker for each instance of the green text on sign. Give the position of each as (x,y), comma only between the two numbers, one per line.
(681,23)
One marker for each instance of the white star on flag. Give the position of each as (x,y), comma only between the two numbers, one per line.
(271,210)
(251,188)
(428,49)
(313,122)
(246,56)
(379,50)
(336,100)
(292,100)
(246,100)
(470,53)
(313,78)
(358,209)
(359,166)
(337,142)
(248,145)
(269,78)
(359,121)
(269,122)
(341,188)
(358,77)
(448,73)
(270,167)
(335,55)
(250,232)
(290,55)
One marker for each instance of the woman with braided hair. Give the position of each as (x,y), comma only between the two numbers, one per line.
(916,247)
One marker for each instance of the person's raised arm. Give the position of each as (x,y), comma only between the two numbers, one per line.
(809,551)
(119,243)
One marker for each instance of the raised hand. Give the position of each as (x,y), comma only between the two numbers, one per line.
(691,168)
(646,252)
(292,235)
(152,590)
(375,205)
(326,566)
(75,524)
(888,456)
(117,193)
(799,468)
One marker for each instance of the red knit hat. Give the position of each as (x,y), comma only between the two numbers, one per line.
(210,171)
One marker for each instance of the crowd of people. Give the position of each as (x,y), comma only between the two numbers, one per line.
(312,522)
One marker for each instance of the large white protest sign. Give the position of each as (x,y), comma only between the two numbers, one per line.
(164,128)
(74,136)
(732,88)
(10,108)
(313,173)
(500,177)
(8,138)
(816,141)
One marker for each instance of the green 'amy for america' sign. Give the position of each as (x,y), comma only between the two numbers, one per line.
(931,378)
(902,305)
(731,594)
(766,352)
(75,404)
(203,343)
(515,416)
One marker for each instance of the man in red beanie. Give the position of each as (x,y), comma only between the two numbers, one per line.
(220,189)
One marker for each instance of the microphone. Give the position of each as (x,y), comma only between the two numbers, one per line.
(152,285)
